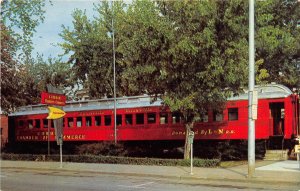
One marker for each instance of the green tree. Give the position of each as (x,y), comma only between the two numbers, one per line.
(10,78)
(278,40)
(19,19)
(41,72)
(145,38)
(192,54)
(23,77)
(90,44)
(207,56)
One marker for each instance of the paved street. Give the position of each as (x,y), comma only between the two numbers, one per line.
(37,176)
(35,180)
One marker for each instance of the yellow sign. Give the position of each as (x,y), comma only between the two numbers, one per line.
(55,113)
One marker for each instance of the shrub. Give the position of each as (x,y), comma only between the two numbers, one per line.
(114,160)
(101,148)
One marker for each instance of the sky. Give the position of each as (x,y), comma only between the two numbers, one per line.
(59,13)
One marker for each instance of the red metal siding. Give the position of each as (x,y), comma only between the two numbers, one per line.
(226,129)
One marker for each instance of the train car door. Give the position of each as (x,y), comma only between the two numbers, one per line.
(277,118)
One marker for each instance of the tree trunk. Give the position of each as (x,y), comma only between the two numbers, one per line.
(187,145)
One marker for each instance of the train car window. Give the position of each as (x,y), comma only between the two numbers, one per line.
(70,122)
(45,123)
(282,113)
(97,120)
(79,121)
(204,117)
(21,123)
(119,119)
(163,118)
(233,114)
(139,118)
(30,124)
(107,120)
(151,118)
(175,117)
(128,119)
(88,121)
(52,123)
(197,119)
(37,123)
(217,116)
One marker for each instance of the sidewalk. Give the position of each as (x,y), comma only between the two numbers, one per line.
(283,172)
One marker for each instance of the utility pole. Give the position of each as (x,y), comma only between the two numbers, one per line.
(252,109)
(114,64)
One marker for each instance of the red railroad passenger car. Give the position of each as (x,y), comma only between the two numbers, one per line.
(138,119)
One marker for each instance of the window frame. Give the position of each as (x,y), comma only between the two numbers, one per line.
(23,123)
(230,111)
(215,116)
(71,120)
(119,120)
(88,119)
(98,120)
(164,115)
(107,120)
(37,124)
(30,123)
(45,125)
(176,117)
(130,122)
(151,118)
(139,118)
(81,121)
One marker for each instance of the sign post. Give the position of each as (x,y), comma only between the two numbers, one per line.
(191,140)
(297,150)
(55,97)
(57,115)
(60,152)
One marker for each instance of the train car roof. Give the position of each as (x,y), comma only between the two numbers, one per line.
(270,91)
(88,105)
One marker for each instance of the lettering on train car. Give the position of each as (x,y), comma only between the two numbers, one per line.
(74,137)
(204,132)
(44,137)
(45,133)
(138,110)
(91,113)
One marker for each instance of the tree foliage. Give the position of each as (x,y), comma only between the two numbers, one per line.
(22,77)
(278,40)
(90,45)
(193,54)
(42,72)
(10,79)
(21,17)
(18,21)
